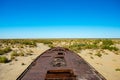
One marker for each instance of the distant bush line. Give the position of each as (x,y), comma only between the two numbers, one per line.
(106,44)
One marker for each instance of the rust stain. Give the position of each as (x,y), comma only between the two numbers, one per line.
(60,64)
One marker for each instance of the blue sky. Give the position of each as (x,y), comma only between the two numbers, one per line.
(59,19)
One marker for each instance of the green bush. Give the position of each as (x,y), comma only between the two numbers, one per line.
(105,47)
(1,52)
(6,50)
(75,47)
(91,46)
(14,53)
(114,48)
(3,59)
(110,48)
(27,42)
(97,41)
(46,42)
(107,42)
(50,45)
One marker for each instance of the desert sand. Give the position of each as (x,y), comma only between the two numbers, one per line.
(105,65)
(10,71)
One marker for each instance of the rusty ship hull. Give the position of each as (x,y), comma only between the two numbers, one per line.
(60,64)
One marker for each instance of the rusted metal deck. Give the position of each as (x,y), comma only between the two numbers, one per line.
(60,64)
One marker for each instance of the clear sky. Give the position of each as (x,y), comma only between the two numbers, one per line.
(59,19)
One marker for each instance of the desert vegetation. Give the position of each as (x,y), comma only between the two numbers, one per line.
(3,59)
(11,49)
(16,47)
(5,50)
(78,44)
(100,53)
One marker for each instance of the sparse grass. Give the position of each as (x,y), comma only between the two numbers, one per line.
(23,42)
(5,50)
(98,54)
(21,46)
(116,52)
(75,47)
(16,59)
(105,53)
(28,53)
(12,57)
(90,53)
(97,41)
(1,52)
(51,45)
(22,63)
(110,48)
(91,46)
(30,43)
(21,54)
(107,42)
(14,53)
(47,42)
(72,44)
(117,69)
(91,57)
(3,59)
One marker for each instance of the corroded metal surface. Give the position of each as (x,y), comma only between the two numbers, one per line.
(60,64)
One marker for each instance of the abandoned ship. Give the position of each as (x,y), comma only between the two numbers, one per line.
(60,64)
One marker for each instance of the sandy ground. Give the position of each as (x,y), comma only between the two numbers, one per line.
(105,65)
(10,71)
